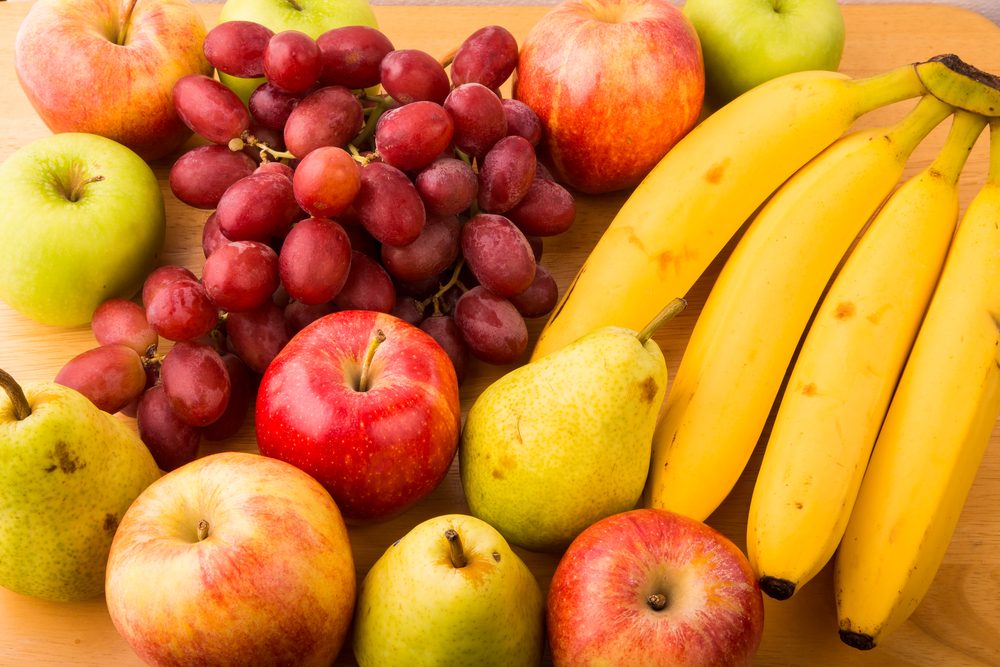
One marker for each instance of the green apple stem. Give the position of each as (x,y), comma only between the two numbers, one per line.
(17,398)
(202,530)
(657,601)
(126,20)
(671,311)
(373,344)
(458,558)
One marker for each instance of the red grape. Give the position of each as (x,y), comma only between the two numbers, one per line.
(522,121)
(257,335)
(368,287)
(209,108)
(240,275)
(298,315)
(409,75)
(480,120)
(257,208)
(427,256)
(487,56)
(542,172)
(447,186)
(199,177)
(361,240)
(120,321)
(546,209)
(326,181)
(196,382)
(270,106)
(491,326)
(111,376)
(352,56)
(410,137)
(279,168)
(498,254)
(161,276)
(444,331)
(315,260)
(536,246)
(506,174)
(292,61)
(237,48)
(540,297)
(408,309)
(171,441)
(181,310)
(330,116)
(421,289)
(242,389)
(212,237)
(389,205)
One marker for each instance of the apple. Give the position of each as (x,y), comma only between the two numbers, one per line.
(368,405)
(651,587)
(313,17)
(615,83)
(232,559)
(82,221)
(748,42)
(108,67)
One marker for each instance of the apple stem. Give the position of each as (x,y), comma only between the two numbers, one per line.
(74,194)
(671,311)
(296,6)
(458,558)
(369,355)
(126,19)
(17,398)
(202,530)
(657,601)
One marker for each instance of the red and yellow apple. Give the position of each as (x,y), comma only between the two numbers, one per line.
(368,405)
(107,67)
(653,588)
(616,83)
(233,559)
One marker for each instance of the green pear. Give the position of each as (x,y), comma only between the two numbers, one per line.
(68,472)
(450,592)
(564,441)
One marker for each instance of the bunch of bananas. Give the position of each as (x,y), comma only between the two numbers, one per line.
(895,389)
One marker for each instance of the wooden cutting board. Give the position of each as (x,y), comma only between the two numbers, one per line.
(957,624)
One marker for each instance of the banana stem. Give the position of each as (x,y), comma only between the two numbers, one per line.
(993,177)
(895,85)
(917,124)
(22,409)
(965,129)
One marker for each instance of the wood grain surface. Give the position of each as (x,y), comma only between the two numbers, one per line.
(958,623)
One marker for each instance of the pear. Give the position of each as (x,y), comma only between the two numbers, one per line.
(564,441)
(68,472)
(450,592)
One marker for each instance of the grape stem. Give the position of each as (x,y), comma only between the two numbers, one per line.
(22,409)
(247,139)
(374,113)
(436,297)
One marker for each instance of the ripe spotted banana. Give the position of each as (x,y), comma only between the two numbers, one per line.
(759,306)
(845,373)
(934,436)
(689,206)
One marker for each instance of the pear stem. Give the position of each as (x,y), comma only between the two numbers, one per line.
(657,601)
(17,398)
(458,558)
(671,311)
(369,355)
(202,530)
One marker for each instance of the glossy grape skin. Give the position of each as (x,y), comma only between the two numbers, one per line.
(491,326)
(257,208)
(412,136)
(522,121)
(200,176)
(368,287)
(352,56)
(428,255)
(123,322)
(479,117)
(240,275)
(196,382)
(409,75)
(270,106)
(171,441)
(540,297)
(506,174)
(326,181)
(181,310)
(298,315)
(447,186)
(444,331)
(209,108)
(242,390)
(161,276)
(257,335)
(111,376)
(292,61)
(546,209)
(315,260)
(487,56)
(389,205)
(237,48)
(279,168)
(212,237)
(498,254)
(330,116)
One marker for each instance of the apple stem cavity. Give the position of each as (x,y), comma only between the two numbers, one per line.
(126,20)
(457,554)
(373,344)
(657,601)
(22,409)
(202,530)
(669,312)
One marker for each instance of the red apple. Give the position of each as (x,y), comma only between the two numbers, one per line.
(108,67)
(375,421)
(650,587)
(615,83)
(233,559)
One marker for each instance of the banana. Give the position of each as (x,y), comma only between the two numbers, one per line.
(759,306)
(845,373)
(689,206)
(934,436)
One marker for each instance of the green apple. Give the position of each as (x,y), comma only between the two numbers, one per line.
(450,592)
(82,221)
(313,17)
(748,42)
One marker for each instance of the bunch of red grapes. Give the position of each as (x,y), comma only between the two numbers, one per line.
(425,201)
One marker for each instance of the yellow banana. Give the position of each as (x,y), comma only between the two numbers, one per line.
(759,306)
(935,432)
(845,373)
(689,206)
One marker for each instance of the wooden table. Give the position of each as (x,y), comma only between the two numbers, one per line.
(959,620)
